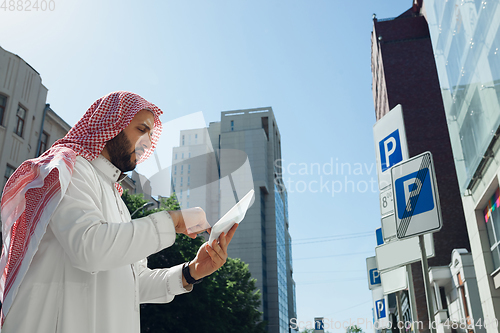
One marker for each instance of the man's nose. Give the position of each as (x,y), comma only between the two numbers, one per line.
(145,142)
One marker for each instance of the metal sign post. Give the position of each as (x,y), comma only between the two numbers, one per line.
(427,284)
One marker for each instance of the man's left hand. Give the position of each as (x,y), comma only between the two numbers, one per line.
(211,258)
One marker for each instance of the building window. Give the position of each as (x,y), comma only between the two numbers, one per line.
(189,180)
(195,138)
(189,169)
(187,193)
(182,156)
(8,172)
(492,219)
(189,155)
(442,295)
(181,181)
(175,155)
(175,169)
(183,140)
(232,125)
(21,115)
(175,181)
(182,169)
(43,143)
(3,105)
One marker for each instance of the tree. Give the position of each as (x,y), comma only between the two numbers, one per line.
(354,329)
(226,301)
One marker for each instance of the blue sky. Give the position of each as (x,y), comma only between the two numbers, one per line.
(308,59)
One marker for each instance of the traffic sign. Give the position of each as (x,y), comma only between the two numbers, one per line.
(402,252)
(380,306)
(416,199)
(388,228)
(380,236)
(390,144)
(394,280)
(373,273)
(386,201)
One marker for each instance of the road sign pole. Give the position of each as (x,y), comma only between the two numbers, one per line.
(427,284)
(413,302)
(400,323)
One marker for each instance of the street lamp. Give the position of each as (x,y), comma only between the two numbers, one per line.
(147,204)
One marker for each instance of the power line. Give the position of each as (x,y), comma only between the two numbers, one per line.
(330,281)
(334,255)
(253,245)
(321,272)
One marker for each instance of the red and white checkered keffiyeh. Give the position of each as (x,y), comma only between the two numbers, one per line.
(34,190)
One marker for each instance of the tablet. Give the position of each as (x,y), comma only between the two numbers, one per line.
(234,215)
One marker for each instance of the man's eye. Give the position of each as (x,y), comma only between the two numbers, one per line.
(142,130)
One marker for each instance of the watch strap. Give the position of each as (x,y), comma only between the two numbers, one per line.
(187,274)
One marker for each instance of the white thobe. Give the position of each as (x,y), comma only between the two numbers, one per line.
(89,274)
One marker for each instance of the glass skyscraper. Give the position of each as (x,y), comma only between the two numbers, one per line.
(466,40)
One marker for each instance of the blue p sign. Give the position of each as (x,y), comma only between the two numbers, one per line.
(390,150)
(380,308)
(374,276)
(319,324)
(414,193)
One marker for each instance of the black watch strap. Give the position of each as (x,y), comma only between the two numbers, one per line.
(187,275)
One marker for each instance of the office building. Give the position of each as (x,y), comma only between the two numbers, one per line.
(466,40)
(263,240)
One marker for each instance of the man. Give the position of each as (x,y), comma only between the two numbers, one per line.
(73,260)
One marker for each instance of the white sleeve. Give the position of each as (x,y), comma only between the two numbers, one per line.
(160,285)
(94,244)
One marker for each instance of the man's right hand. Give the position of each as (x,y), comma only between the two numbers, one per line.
(190,221)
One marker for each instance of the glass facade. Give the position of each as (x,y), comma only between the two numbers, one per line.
(492,219)
(466,41)
(281,258)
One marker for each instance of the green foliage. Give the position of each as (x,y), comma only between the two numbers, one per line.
(310,330)
(226,301)
(354,329)
(136,201)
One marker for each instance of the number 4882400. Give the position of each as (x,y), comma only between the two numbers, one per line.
(28,5)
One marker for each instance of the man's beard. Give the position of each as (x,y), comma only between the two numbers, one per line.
(119,152)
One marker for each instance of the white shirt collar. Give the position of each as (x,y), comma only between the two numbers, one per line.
(102,164)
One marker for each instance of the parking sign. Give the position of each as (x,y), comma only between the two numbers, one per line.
(416,202)
(373,273)
(390,144)
(390,150)
(380,308)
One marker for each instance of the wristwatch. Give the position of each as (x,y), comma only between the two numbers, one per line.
(187,274)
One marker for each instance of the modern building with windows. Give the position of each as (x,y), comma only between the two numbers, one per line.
(263,240)
(466,42)
(28,126)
